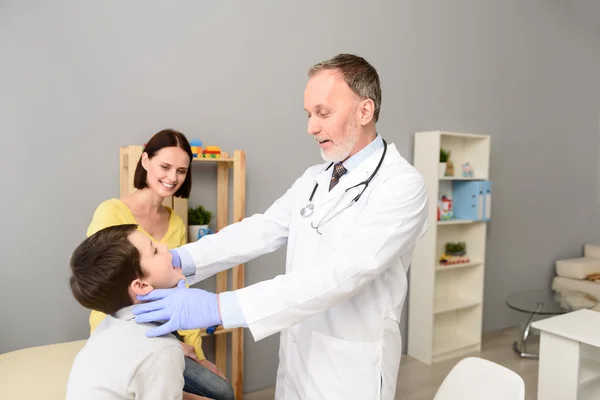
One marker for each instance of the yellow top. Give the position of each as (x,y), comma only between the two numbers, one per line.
(115,212)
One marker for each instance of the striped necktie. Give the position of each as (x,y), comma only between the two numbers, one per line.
(338,171)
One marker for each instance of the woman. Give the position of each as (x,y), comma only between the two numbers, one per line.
(164,170)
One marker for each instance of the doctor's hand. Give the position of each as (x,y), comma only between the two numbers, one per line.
(176,262)
(181,308)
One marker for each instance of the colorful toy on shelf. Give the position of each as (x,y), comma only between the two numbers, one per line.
(445,209)
(211,152)
(196,146)
(467,170)
(452,260)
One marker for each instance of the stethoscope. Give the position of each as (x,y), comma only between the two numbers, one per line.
(308,209)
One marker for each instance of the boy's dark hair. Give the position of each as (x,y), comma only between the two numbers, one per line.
(160,140)
(103,266)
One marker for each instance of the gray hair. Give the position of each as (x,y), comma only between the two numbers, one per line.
(358,74)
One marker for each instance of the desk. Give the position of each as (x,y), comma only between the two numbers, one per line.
(569,366)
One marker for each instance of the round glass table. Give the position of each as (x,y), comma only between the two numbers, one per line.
(544,302)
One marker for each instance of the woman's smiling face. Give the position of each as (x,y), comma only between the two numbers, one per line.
(167,170)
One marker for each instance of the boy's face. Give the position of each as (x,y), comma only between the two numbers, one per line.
(157,264)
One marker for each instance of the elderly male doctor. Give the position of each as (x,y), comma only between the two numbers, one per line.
(339,302)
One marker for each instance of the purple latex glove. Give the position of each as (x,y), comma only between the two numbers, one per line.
(181,308)
(176,259)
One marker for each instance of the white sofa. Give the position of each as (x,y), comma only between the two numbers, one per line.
(574,274)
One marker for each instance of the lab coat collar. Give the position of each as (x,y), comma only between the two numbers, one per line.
(354,161)
(358,174)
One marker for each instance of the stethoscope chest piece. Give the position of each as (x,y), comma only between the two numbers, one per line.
(307,210)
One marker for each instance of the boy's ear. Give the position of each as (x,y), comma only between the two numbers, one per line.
(140,287)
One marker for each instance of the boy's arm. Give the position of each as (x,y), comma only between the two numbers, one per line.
(193,338)
(160,376)
(189,396)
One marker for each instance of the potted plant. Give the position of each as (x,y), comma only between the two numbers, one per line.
(198,220)
(456,249)
(444,156)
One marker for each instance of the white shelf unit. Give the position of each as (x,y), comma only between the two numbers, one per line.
(445,301)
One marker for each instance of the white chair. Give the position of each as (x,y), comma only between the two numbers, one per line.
(474,378)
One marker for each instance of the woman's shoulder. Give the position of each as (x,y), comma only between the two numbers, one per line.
(109,212)
(110,206)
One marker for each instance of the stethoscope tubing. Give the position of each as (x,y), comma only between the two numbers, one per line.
(308,210)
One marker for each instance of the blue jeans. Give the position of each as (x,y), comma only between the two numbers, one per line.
(202,382)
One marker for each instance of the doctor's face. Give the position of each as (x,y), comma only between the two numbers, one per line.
(332,115)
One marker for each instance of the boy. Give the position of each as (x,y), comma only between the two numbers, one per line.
(109,269)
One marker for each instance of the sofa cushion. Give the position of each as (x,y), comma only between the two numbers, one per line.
(567,285)
(38,372)
(578,268)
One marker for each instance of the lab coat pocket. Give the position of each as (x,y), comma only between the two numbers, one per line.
(344,370)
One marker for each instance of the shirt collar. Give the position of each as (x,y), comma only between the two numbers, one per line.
(125,313)
(363,154)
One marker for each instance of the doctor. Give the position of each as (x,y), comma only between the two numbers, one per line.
(350,225)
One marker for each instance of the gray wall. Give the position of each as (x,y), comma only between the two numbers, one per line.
(80,79)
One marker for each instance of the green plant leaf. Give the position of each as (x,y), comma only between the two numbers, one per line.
(444,155)
(455,248)
(199,216)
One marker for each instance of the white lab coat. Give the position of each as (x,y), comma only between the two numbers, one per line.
(339,302)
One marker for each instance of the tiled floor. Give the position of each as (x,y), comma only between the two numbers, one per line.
(418,381)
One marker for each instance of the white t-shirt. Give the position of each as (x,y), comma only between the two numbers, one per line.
(120,362)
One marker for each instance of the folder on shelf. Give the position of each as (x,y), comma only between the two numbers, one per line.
(472,200)
(487,206)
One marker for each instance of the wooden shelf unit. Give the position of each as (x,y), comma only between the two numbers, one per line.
(446,301)
(128,159)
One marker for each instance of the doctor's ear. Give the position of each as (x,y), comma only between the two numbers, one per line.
(365,111)
(139,287)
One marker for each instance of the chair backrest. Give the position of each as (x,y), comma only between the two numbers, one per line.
(474,378)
